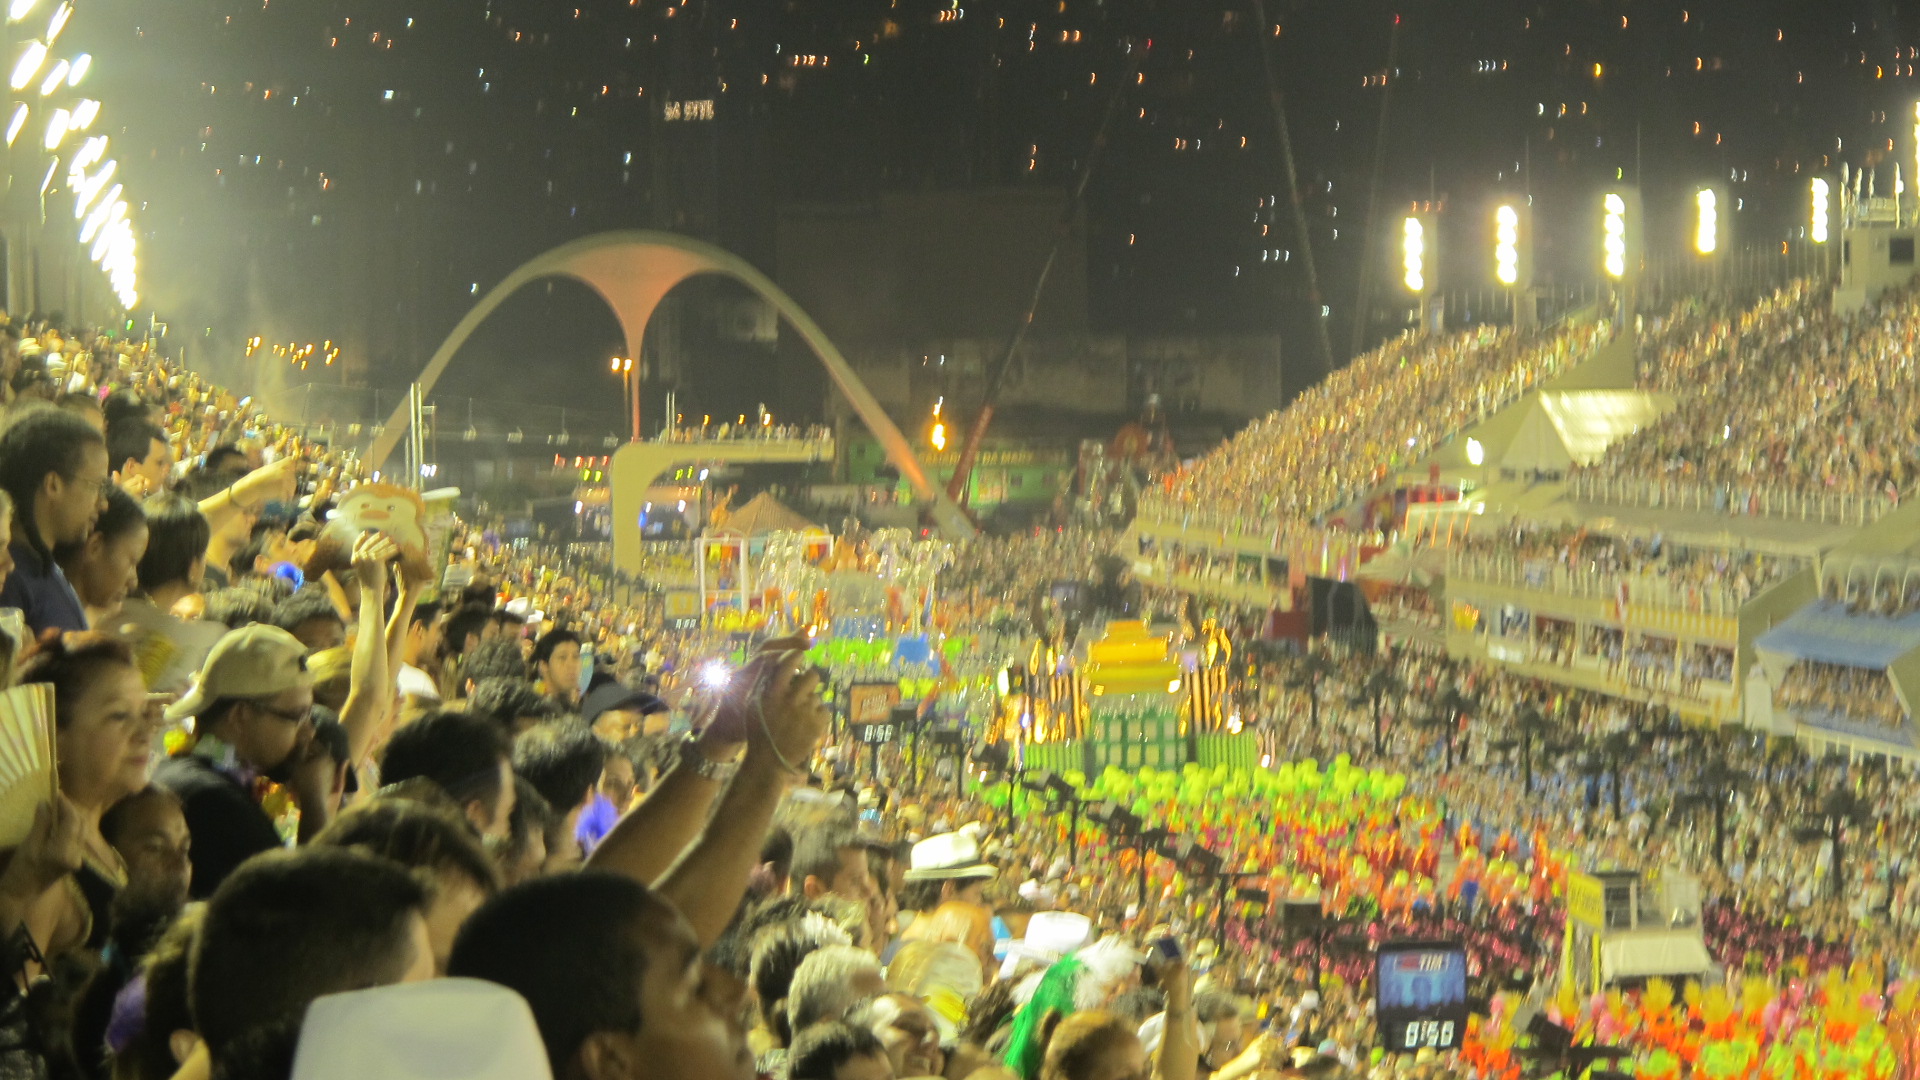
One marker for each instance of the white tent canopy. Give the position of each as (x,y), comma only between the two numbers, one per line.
(1646,953)
(1575,427)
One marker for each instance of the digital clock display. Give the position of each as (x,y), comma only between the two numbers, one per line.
(877,734)
(1421,995)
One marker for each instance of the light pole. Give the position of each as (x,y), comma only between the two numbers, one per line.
(1417,262)
(1621,251)
(623,366)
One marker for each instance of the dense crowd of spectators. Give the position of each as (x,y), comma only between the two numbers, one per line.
(1625,564)
(1861,694)
(1382,412)
(628,867)
(1786,396)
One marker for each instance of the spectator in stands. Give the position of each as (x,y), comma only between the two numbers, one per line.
(492,660)
(238,607)
(433,841)
(611,797)
(512,703)
(103,741)
(289,928)
(831,858)
(504,625)
(225,462)
(523,856)
(229,529)
(620,714)
(104,567)
(830,983)
(141,456)
(54,467)
(252,707)
(464,630)
(556,664)
(563,762)
(170,648)
(419,674)
(904,1025)
(86,407)
(615,977)
(946,883)
(838,1051)
(467,757)
(310,616)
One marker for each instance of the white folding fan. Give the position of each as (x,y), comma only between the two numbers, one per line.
(27,773)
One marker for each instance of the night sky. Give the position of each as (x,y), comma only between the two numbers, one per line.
(355,171)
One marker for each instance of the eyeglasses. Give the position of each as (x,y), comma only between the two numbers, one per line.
(101,486)
(291,716)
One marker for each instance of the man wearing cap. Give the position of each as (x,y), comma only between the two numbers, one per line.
(946,883)
(617,713)
(252,707)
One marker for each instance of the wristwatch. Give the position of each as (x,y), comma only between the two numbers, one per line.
(703,766)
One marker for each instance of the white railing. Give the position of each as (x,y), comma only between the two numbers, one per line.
(1825,507)
(1642,590)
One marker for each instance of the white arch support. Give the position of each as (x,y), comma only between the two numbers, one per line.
(633,271)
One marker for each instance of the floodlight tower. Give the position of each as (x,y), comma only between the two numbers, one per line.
(1621,247)
(1513,258)
(1419,262)
(1710,211)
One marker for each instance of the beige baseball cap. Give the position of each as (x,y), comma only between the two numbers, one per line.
(255,661)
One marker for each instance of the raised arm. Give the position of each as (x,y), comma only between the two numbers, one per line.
(402,620)
(651,838)
(710,879)
(251,492)
(370,687)
(1180,1046)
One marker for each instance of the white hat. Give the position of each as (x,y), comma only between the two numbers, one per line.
(1051,936)
(468,1028)
(950,856)
(1061,933)
(1036,894)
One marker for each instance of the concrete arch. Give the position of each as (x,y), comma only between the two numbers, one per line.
(633,271)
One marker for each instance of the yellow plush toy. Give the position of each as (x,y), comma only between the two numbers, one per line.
(385,508)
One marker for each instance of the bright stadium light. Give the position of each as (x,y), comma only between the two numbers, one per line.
(90,190)
(20,9)
(29,65)
(18,121)
(85,113)
(1706,219)
(57,128)
(1818,230)
(90,151)
(1614,243)
(1413,254)
(59,21)
(1506,245)
(81,65)
(1476,453)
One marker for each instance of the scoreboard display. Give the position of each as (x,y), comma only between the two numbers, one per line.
(1421,995)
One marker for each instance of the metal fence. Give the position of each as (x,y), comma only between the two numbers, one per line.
(1750,501)
(1648,590)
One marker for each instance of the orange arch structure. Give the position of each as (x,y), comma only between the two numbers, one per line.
(633,271)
